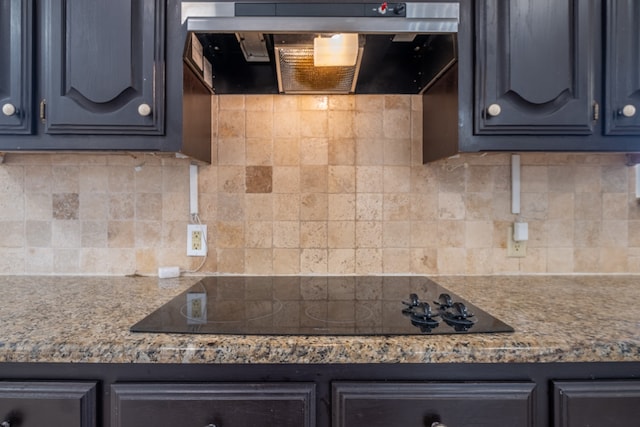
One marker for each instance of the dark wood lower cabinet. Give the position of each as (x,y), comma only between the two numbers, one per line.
(425,404)
(596,403)
(38,404)
(320,395)
(219,405)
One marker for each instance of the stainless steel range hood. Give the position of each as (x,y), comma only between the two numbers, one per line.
(269,47)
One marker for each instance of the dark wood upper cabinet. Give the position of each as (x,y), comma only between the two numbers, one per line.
(622,71)
(15,66)
(535,67)
(104,66)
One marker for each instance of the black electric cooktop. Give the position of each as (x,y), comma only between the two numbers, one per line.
(310,305)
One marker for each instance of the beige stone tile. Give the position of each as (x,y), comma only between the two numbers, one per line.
(94,207)
(560,260)
(259,234)
(231,124)
(586,260)
(314,178)
(121,179)
(66,261)
(341,207)
(560,233)
(231,207)
(232,151)
(93,234)
(633,233)
(588,179)
(396,179)
(314,206)
(368,261)
(286,179)
(341,124)
(38,261)
(588,206)
(231,102)
(424,260)
(368,234)
(146,261)
(12,261)
(478,234)
(286,234)
(286,207)
(175,178)
(369,179)
(148,234)
(535,261)
(479,260)
(259,124)
(341,234)
(534,179)
(120,234)
(480,206)
(536,205)
(424,234)
(369,103)
(314,124)
(424,179)
(369,206)
(341,179)
(230,234)
(38,234)
(259,151)
(451,260)
(451,176)
(614,178)
(259,207)
(13,233)
(424,207)
(503,264)
(561,206)
(65,206)
(174,236)
(341,261)
(341,150)
(614,234)
(396,260)
(65,234)
(369,150)
(258,103)
(37,179)
(94,179)
(615,206)
(286,152)
(502,206)
(313,234)
(587,234)
(396,124)
(66,179)
(259,179)
(149,179)
(451,234)
(258,261)
(314,151)
(286,261)
(480,178)
(122,205)
(148,206)
(396,234)
(451,206)
(613,260)
(95,260)
(313,261)
(313,102)
(397,206)
(207,179)
(286,125)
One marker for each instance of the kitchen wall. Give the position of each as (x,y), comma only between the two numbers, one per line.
(316,184)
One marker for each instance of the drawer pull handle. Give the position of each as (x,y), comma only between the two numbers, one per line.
(144,110)
(494,110)
(628,111)
(8,109)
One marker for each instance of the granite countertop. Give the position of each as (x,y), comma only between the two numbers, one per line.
(87,320)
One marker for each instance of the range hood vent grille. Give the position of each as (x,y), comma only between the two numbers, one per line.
(297,74)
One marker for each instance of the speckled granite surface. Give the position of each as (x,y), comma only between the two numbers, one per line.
(87,319)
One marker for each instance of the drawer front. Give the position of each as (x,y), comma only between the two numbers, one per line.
(591,403)
(403,404)
(220,405)
(37,404)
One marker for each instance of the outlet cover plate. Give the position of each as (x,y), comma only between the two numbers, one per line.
(515,249)
(196,240)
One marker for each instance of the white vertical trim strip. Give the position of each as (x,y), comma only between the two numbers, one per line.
(515,183)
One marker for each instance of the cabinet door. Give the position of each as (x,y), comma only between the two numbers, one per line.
(596,403)
(104,66)
(222,405)
(622,81)
(15,66)
(535,66)
(422,404)
(37,404)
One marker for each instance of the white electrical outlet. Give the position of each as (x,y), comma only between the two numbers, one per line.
(196,308)
(196,240)
(515,249)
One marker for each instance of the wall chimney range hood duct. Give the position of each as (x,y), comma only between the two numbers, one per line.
(261,48)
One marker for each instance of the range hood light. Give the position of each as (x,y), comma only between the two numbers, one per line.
(339,50)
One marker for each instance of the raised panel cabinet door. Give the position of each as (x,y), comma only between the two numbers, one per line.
(376,404)
(15,66)
(596,403)
(104,66)
(220,405)
(622,74)
(37,404)
(535,66)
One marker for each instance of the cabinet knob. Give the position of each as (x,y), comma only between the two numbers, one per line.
(494,110)
(144,110)
(8,110)
(5,423)
(628,110)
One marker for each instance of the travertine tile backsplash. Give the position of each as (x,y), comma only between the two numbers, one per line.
(317,184)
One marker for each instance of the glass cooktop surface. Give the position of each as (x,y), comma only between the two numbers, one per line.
(311,305)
